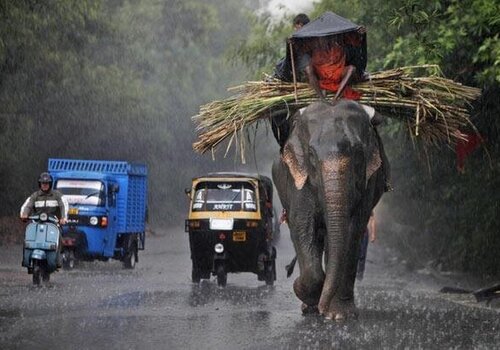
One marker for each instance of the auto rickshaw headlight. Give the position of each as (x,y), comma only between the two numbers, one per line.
(93,220)
(219,248)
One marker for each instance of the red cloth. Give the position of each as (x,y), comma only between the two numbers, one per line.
(464,148)
(329,66)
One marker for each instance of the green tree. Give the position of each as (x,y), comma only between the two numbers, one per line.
(97,79)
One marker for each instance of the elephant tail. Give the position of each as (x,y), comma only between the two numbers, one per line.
(289,268)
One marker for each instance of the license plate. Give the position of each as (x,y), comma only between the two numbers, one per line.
(73,211)
(239,236)
(221,224)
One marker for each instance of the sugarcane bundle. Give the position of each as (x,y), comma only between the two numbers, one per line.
(433,107)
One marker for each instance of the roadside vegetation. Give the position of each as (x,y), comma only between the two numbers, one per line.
(94,79)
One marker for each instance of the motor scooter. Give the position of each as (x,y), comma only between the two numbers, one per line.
(41,243)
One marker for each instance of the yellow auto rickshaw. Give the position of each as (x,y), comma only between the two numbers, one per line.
(230,226)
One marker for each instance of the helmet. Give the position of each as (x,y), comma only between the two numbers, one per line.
(45,178)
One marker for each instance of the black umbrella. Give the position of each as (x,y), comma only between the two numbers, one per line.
(327,24)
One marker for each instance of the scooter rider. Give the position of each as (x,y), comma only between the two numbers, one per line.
(46,200)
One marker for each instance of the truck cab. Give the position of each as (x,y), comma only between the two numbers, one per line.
(107,208)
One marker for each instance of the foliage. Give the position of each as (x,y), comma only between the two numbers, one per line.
(462,37)
(457,209)
(265,44)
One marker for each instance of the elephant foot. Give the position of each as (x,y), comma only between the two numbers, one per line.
(308,293)
(341,311)
(309,309)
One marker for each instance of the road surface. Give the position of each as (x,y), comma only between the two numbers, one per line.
(99,305)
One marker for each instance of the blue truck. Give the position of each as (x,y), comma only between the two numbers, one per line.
(107,209)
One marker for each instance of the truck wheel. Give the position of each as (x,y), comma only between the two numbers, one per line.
(69,260)
(221,276)
(131,257)
(37,273)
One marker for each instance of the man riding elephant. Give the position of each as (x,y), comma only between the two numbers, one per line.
(332,53)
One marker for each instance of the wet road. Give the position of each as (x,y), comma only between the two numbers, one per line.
(99,305)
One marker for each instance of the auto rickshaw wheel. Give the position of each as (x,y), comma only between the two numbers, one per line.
(37,273)
(270,272)
(195,276)
(221,276)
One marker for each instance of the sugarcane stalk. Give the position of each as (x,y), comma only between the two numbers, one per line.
(436,106)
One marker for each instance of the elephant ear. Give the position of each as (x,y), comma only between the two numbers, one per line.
(374,162)
(293,156)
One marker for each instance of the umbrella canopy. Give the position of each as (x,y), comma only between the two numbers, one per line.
(328,23)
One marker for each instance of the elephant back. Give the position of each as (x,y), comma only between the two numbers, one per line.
(345,123)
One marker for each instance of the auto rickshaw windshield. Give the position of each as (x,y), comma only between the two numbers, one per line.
(224,196)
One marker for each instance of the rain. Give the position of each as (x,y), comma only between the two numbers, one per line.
(121,80)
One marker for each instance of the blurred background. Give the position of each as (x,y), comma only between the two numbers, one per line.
(120,80)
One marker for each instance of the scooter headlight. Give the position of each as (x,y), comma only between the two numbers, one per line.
(44,216)
(93,220)
(219,248)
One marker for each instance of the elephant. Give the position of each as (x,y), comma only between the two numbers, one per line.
(329,177)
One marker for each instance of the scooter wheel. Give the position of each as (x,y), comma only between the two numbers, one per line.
(37,274)
(45,276)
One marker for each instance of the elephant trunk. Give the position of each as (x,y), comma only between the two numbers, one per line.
(335,176)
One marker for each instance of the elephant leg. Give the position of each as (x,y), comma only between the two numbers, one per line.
(342,304)
(309,249)
(300,205)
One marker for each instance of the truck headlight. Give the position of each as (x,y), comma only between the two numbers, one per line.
(93,220)
(219,248)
